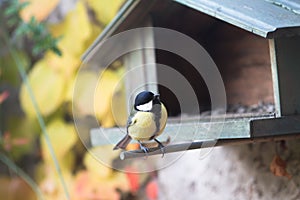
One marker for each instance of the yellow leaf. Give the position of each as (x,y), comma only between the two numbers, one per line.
(66,64)
(40,9)
(86,81)
(119,109)
(48,88)
(70,89)
(67,162)
(102,96)
(51,184)
(75,29)
(105,9)
(99,160)
(95,31)
(62,136)
(109,99)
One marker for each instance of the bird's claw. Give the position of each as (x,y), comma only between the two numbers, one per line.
(144,149)
(161,146)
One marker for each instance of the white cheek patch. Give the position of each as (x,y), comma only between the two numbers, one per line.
(145,107)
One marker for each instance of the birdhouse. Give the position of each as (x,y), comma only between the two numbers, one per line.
(227,71)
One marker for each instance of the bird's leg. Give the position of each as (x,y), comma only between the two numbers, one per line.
(145,149)
(161,146)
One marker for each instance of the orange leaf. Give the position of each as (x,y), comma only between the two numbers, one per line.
(3,96)
(15,188)
(86,186)
(152,190)
(9,142)
(278,167)
(40,9)
(20,141)
(133,179)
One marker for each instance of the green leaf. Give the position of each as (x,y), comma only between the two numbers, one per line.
(32,31)
(56,50)
(15,7)
(22,29)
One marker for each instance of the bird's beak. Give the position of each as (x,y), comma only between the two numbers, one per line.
(156,96)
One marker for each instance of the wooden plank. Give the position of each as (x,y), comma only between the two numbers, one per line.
(189,135)
(171,148)
(186,131)
(190,128)
(285,125)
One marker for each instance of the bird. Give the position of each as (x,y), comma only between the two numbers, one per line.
(146,121)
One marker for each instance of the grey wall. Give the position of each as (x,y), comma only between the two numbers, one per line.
(232,172)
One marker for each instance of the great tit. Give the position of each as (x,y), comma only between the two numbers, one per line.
(146,121)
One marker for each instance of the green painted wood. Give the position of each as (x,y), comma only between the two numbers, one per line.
(267,18)
(193,135)
(186,131)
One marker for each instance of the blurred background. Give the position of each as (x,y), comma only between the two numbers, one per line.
(42,157)
(41,154)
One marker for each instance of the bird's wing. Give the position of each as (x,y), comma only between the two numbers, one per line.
(122,144)
(130,120)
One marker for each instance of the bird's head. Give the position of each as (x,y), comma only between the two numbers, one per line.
(145,100)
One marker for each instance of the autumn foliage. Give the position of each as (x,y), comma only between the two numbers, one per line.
(50,81)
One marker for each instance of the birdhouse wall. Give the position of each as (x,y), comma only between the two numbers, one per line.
(244,62)
(242,58)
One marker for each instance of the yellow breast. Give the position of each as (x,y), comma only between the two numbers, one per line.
(144,126)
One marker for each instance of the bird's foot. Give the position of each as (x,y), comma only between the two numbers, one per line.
(161,146)
(144,149)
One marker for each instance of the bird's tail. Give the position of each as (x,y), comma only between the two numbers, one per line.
(123,143)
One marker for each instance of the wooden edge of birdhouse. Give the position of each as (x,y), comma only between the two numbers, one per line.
(195,134)
(172,148)
(267,19)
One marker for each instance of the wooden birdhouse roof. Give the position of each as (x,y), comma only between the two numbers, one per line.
(266,18)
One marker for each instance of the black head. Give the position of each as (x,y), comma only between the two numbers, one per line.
(145,100)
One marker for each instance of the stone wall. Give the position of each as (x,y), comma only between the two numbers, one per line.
(233,172)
